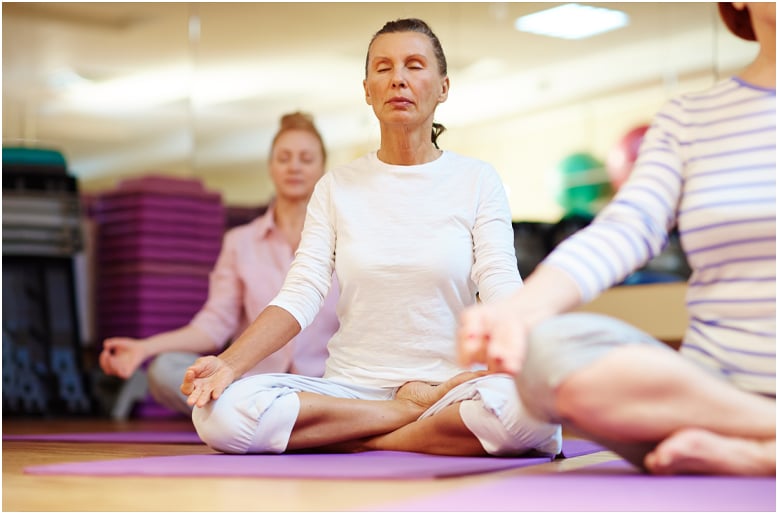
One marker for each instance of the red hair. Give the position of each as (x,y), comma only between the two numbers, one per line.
(737,21)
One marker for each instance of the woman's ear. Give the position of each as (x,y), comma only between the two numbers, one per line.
(446,84)
(366,92)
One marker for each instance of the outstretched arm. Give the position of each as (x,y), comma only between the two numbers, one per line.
(207,378)
(495,334)
(121,356)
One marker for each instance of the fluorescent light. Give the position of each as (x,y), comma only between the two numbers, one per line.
(131,92)
(572,21)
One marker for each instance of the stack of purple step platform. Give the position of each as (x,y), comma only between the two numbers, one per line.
(158,238)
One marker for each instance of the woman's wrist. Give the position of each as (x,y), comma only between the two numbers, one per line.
(234,362)
(546,293)
(530,311)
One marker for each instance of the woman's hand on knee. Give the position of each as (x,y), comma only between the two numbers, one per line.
(206,379)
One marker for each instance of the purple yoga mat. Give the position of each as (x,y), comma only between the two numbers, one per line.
(135,330)
(365,465)
(160,184)
(162,242)
(139,437)
(176,223)
(161,203)
(108,256)
(611,486)
(178,270)
(165,321)
(579,447)
(132,308)
(572,447)
(140,296)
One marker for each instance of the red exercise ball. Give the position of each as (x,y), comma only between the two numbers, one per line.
(621,158)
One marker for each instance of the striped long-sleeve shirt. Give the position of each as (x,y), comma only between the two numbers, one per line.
(707,166)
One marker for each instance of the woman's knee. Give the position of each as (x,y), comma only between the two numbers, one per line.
(537,380)
(560,346)
(247,420)
(503,425)
(216,427)
(158,371)
(165,373)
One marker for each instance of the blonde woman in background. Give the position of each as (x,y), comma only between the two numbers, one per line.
(249,272)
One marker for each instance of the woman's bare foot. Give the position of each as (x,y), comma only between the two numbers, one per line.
(697,451)
(425,395)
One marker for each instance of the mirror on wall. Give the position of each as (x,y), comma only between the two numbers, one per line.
(196,89)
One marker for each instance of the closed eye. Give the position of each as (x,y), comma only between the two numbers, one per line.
(415,64)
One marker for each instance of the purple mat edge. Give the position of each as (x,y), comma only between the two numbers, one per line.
(356,466)
(579,447)
(692,493)
(111,437)
(571,448)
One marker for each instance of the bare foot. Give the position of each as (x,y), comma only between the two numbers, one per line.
(697,451)
(424,394)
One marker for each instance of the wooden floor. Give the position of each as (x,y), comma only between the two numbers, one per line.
(23,492)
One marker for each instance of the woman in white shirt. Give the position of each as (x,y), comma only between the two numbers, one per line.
(415,235)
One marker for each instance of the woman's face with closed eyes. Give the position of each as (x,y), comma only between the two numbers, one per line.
(296,164)
(403,83)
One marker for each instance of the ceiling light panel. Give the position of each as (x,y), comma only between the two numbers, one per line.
(572,21)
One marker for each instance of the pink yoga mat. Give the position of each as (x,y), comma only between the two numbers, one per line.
(611,486)
(365,465)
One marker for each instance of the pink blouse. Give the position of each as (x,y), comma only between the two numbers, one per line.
(249,272)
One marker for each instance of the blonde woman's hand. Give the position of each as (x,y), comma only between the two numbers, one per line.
(121,356)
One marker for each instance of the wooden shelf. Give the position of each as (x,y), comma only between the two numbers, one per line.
(658,309)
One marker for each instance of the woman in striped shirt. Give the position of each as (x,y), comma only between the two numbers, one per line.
(706,166)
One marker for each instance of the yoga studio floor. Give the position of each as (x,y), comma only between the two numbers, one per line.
(101,465)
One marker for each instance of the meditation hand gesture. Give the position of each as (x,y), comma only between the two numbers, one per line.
(494,335)
(206,379)
(121,356)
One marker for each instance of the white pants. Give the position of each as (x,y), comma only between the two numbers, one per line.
(165,374)
(257,414)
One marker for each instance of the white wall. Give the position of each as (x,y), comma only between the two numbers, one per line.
(524,149)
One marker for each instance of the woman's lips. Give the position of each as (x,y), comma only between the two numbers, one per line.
(400,101)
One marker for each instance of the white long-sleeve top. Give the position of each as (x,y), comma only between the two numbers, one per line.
(412,246)
(707,166)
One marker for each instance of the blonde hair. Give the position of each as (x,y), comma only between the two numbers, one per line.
(299,121)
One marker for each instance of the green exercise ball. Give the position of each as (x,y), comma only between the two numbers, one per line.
(584,185)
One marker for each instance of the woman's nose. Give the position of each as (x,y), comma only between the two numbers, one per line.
(398,79)
(295,164)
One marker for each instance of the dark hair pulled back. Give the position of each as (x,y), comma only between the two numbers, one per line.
(420,26)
